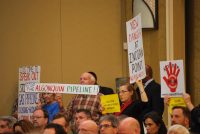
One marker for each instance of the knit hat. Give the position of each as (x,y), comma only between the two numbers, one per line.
(94,75)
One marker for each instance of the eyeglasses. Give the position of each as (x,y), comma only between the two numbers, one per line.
(36,117)
(122,91)
(105,126)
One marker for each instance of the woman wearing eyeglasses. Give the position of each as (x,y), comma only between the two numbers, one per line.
(130,106)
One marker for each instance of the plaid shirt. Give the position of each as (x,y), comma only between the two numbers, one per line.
(89,102)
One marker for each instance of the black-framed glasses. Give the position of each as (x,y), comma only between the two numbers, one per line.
(105,126)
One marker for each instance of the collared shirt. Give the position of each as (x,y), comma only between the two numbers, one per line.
(147,83)
(89,102)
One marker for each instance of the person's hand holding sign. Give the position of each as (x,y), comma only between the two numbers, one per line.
(172,74)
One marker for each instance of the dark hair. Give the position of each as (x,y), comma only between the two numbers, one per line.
(86,112)
(111,118)
(58,128)
(45,113)
(25,125)
(185,111)
(157,119)
(61,115)
(10,120)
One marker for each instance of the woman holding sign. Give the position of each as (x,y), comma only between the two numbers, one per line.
(129,106)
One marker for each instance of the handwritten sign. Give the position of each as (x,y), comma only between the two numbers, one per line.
(27,101)
(110,103)
(62,88)
(176,101)
(172,78)
(135,49)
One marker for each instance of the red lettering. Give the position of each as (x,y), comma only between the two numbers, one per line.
(37,88)
(134,24)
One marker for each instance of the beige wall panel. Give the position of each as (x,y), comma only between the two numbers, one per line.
(29,35)
(179,29)
(155,42)
(91,40)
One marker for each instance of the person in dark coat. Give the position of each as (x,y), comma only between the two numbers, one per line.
(102,89)
(195,114)
(153,91)
(130,106)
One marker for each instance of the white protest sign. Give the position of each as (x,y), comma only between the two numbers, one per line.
(172,78)
(135,49)
(27,101)
(62,88)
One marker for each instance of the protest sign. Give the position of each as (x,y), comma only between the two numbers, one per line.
(62,88)
(27,101)
(172,78)
(135,49)
(110,103)
(176,101)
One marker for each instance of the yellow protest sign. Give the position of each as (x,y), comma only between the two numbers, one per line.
(176,101)
(110,103)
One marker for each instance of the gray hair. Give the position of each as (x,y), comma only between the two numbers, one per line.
(178,129)
(9,119)
(111,118)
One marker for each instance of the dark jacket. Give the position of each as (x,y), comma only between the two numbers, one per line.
(105,90)
(155,102)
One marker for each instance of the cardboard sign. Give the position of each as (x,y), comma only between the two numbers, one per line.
(62,88)
(176,101)
(27,101)
(110,103)
(172,78)
(135,49)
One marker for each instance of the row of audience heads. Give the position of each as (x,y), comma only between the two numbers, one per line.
(108,124)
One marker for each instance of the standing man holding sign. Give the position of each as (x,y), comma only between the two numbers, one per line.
(153,91)
(81,101)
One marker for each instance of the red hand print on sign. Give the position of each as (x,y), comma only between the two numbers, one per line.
(172,73)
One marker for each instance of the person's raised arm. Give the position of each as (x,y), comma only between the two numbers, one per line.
(143,94)
(188,101)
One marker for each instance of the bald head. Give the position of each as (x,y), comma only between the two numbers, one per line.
(149,73)
(88,127)
(178,129)
(87,79)
(129,125)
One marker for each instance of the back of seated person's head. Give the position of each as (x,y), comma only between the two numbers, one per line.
(6,123)
(62,120)
(121,117)
(88,127)
(53,128)
(128,125)
(23,126)
(86,112)
(177,129)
